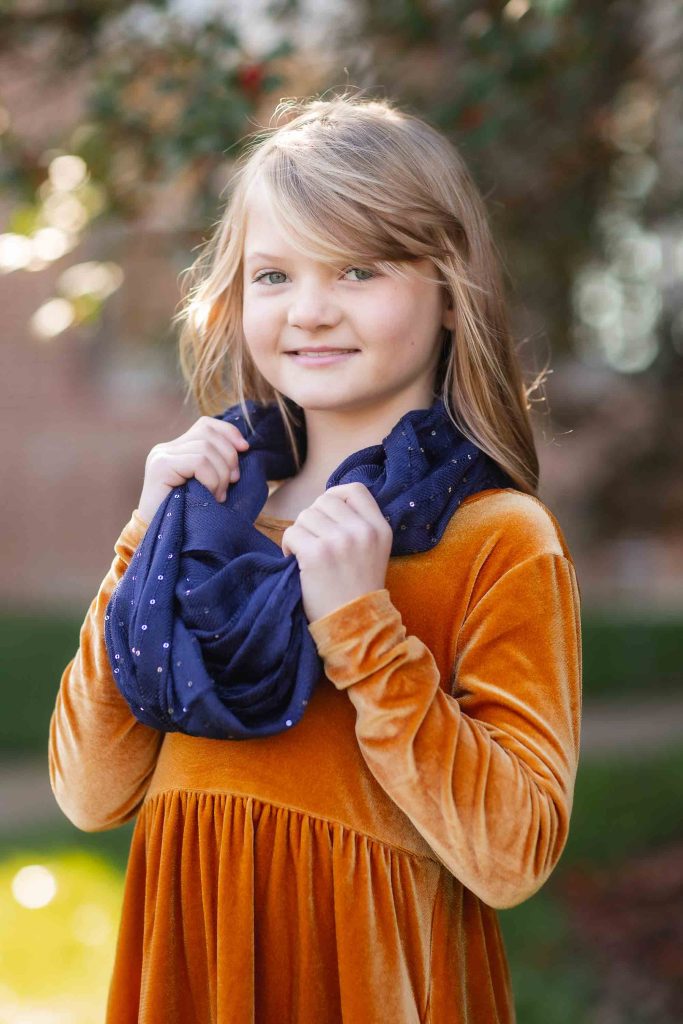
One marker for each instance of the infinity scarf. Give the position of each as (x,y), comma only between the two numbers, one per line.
(206,632)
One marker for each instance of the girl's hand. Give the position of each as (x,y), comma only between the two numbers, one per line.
(207,451)
(342,543)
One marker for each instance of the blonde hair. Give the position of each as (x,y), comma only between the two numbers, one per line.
(356,178)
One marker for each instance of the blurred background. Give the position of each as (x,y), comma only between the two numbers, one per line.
(119,124)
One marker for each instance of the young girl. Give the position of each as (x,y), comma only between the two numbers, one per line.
(349,868)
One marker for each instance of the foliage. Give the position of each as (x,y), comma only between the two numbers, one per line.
(561,108)
(163,98)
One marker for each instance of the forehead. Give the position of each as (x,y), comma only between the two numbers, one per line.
(259,216)
(267,241)
(264,237)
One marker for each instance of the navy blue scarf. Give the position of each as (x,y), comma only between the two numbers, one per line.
(206,632)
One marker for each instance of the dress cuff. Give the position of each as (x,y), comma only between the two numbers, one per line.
(131,536)
(359,637)
(141,523)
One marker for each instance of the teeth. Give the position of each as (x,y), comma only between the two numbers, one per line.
(330,352)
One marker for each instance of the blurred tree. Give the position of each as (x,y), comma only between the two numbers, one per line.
(165,100)
(567,112)
(558,106)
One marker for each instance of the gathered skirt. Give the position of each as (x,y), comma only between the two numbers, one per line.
(237,910)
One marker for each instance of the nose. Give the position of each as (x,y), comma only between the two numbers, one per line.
(312,306)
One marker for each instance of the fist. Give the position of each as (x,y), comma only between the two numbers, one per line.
(342,544)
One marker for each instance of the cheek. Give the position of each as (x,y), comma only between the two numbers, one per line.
(249,317)
(395,325)
(256,328)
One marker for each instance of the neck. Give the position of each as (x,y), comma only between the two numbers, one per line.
(333,434)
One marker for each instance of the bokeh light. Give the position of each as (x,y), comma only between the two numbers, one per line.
(50,243)
(52,318)
(91,278)
(15,251)
(57,943)
(34,886)
(63,210)
(618,301)
(67,172)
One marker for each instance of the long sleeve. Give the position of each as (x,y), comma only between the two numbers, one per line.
(100,756)
(487,776)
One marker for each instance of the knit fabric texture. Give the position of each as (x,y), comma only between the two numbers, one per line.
(206,632)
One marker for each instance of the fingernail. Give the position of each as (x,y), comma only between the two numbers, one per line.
(234,475)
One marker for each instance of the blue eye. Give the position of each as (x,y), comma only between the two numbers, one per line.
(363,271)
(267,273)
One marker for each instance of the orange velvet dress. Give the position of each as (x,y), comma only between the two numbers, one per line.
(350,869)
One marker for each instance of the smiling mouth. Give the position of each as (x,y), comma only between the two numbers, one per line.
(323,352)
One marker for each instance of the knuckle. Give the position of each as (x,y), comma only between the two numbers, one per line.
(338,542)
(157,454)
(230,434)
(367,532)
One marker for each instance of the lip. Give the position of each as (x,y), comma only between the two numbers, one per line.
(322,348)
(303,359)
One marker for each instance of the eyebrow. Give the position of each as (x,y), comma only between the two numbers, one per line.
(264,256)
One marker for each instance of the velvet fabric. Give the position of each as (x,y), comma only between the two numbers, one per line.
(351,869)
(206,631)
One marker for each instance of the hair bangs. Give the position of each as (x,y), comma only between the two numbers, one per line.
(331,219)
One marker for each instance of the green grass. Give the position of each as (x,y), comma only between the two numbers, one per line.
(625,806)
(60,922)
(631,657)
(553,977)
(622,659)
(622,808)
(36,650)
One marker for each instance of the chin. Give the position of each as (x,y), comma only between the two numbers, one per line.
(319,402)
(321,392)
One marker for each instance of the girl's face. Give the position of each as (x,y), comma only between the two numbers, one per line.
(292,301)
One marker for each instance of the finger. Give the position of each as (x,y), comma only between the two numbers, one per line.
(317,522)
(219,430)
(289,540)
(223,456)
(194,464)
(223,428)
(231,448)
(216,468)
(355,498)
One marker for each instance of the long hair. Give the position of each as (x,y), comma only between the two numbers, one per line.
(352,178)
